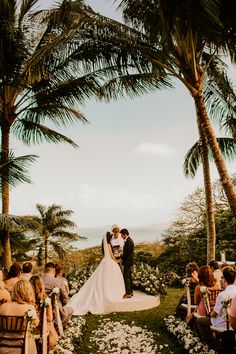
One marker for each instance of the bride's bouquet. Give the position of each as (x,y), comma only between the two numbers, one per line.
(117,252)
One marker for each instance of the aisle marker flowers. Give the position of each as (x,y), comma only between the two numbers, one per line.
(185,336)
(72,334)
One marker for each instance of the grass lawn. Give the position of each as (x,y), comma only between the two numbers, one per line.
(152,320)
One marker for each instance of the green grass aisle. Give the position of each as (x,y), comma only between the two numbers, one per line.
(152,320)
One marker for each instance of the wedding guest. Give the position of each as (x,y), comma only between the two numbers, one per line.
(206,279)
(127,261)
(4,294)
(218,315)
(40,298)
(59,275)
(192,278)
(216,271)
(27,271)
(13,277)
(23,301)
(51,282)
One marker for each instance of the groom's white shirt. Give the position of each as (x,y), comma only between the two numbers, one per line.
(117,241)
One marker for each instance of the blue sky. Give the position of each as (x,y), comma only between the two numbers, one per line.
(128,169)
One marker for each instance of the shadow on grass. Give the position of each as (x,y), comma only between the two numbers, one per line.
(151,319)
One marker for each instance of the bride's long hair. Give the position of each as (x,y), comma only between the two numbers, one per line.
(108,238)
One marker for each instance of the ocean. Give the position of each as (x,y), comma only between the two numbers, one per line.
(95,235)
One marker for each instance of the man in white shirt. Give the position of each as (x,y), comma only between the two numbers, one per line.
(218,315)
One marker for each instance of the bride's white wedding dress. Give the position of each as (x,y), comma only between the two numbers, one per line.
(104,287)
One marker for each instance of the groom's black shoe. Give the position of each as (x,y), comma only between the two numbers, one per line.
(127,296)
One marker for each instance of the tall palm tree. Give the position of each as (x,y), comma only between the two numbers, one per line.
(221,103)
(200,154)
(182,39)
(43,77)
(54,225)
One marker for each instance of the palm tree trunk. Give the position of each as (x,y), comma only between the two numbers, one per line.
(213,145)
(5,129)
(210,219)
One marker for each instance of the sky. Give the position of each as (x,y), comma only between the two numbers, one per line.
(128,167)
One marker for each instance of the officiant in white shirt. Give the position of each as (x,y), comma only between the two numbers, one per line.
(116,240)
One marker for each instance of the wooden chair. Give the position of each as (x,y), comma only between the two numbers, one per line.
(209,300)
(13,332)
(187,309)
(42,337)
(56,313)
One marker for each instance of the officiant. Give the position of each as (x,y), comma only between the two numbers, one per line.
(117,242)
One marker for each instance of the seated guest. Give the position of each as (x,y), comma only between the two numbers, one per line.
(192,278)
(217,273)
(51,282)
(232,317)
(13,277)
(206,279)
(27,271)
(218,315)
(40,297)
(4,293)
(59,275)
(23,300)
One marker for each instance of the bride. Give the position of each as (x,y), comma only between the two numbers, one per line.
(105,286)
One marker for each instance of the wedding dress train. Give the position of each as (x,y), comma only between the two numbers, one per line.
(105,286)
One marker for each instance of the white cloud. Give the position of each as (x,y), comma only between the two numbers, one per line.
(161,150)
(90,197)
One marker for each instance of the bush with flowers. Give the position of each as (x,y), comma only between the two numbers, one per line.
(145,278)
(78,276)
(72,336)
(185,336)
(120,338)
(148,279)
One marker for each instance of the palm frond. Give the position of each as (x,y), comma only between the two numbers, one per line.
(14,223)
(192,160)
(34,133)
(15,169)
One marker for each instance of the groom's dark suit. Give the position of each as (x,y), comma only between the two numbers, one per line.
(128,261)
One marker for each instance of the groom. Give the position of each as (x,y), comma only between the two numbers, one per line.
(127,261)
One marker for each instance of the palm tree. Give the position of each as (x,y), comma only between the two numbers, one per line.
(182,39)
(41,78)
(221,103)
(53,225)
(200,153)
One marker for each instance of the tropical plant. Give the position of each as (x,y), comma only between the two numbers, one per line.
(16,226)
(54,224)
(221,103)
(41,78)
(182,39)
(199,153)
(13,171)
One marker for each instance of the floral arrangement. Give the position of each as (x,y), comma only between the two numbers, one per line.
(185,336)
(78,276)
(226,302)
(145,278)
(205,293)
(148,279)
(72,336)
(121,338)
